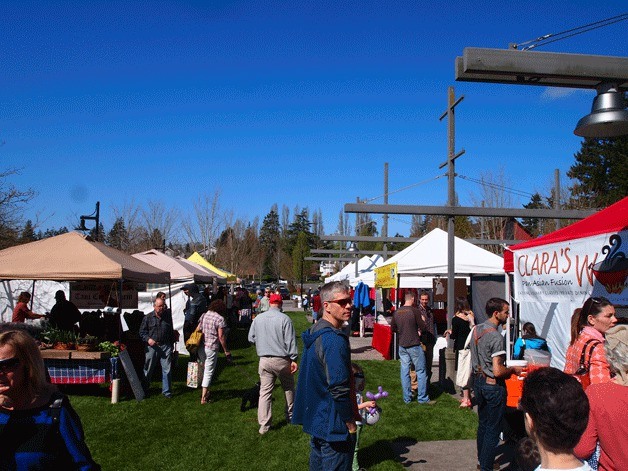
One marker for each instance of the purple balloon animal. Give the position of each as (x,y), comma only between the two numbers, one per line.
(381,394)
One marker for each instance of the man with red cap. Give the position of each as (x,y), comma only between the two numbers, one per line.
(273,334)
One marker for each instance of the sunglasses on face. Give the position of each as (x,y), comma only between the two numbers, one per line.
(8,364)
(342,302)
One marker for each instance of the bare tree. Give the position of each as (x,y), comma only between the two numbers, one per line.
(493,194)
(230,244)
(12,202)
(157,218)
(201,229)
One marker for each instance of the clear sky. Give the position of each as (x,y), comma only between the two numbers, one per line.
(287,102)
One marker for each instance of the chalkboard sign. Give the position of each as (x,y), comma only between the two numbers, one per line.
(135,382)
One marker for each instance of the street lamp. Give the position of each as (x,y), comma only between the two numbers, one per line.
(95,216)
(353,248)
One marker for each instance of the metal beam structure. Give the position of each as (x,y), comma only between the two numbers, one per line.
(328,259)
(547,69)
(468,211)
(413,239)
(340,238)
(364,252)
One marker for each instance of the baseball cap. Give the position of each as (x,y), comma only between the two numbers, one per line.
(275,298)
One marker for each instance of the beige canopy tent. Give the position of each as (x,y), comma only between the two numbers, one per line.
(179,268)
(74,257)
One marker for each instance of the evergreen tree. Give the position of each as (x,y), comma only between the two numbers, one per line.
(118,236)
(269,242)
(601,172)
(301,224)
(534,225)
(54,232)
(98,234)
(300,267)
(28,233)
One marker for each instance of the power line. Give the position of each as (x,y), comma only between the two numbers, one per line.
(405,188)
(544,40)
(496,186)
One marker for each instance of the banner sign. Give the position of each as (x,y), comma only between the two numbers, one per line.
(386,276)
(574,270)
(439,285)
(100,294)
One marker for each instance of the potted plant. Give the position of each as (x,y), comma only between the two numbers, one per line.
(113,348)
(60,339)
(87,344)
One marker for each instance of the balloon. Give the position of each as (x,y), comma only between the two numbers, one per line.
(375,397)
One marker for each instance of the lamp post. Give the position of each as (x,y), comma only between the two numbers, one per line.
(301,278)
(353,248)
(95,216)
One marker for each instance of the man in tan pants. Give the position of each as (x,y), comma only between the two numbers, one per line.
(273,334)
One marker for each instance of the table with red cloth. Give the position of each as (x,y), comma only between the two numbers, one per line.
(382,339)
(75,367)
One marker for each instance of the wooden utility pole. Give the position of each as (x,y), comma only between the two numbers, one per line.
(451,198)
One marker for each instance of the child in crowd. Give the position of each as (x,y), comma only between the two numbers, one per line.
(359,381)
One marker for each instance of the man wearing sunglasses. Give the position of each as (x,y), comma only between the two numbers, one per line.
(325,403)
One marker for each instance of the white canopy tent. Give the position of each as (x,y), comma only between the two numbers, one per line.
(366,271)
(366,265)
(427,258)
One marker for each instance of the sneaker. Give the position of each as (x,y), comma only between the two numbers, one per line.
(428,403)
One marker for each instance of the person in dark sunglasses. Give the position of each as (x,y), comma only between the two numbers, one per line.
(325,399)
(39,429)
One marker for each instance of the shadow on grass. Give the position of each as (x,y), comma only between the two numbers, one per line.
(388,450)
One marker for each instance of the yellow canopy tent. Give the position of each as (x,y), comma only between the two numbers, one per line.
(196,258)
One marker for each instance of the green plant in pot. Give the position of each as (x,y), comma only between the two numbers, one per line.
(60,339)
(89,343)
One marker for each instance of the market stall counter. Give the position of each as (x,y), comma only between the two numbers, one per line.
(382,339)
(78,367)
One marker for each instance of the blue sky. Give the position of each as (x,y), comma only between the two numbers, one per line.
(296,103)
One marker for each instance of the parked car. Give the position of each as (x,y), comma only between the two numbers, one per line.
(285,294)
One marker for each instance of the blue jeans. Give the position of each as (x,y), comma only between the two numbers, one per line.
(491,400)
(415,356)
(163,354)
(332,456)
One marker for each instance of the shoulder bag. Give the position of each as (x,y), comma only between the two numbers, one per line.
(582,373)
(196,338)
(464,363)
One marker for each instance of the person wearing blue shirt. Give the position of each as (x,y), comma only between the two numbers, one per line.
(528,340)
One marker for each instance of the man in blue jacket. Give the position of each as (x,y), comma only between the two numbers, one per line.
(325,400)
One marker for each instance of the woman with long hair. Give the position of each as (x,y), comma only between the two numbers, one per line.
(21,312)
(39,429)
(587,335)
(608,405)
(461,325)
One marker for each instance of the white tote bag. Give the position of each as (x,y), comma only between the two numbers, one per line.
(464,363)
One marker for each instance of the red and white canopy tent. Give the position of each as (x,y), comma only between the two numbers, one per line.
(554,274)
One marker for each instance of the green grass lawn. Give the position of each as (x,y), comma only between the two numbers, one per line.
(180,433)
